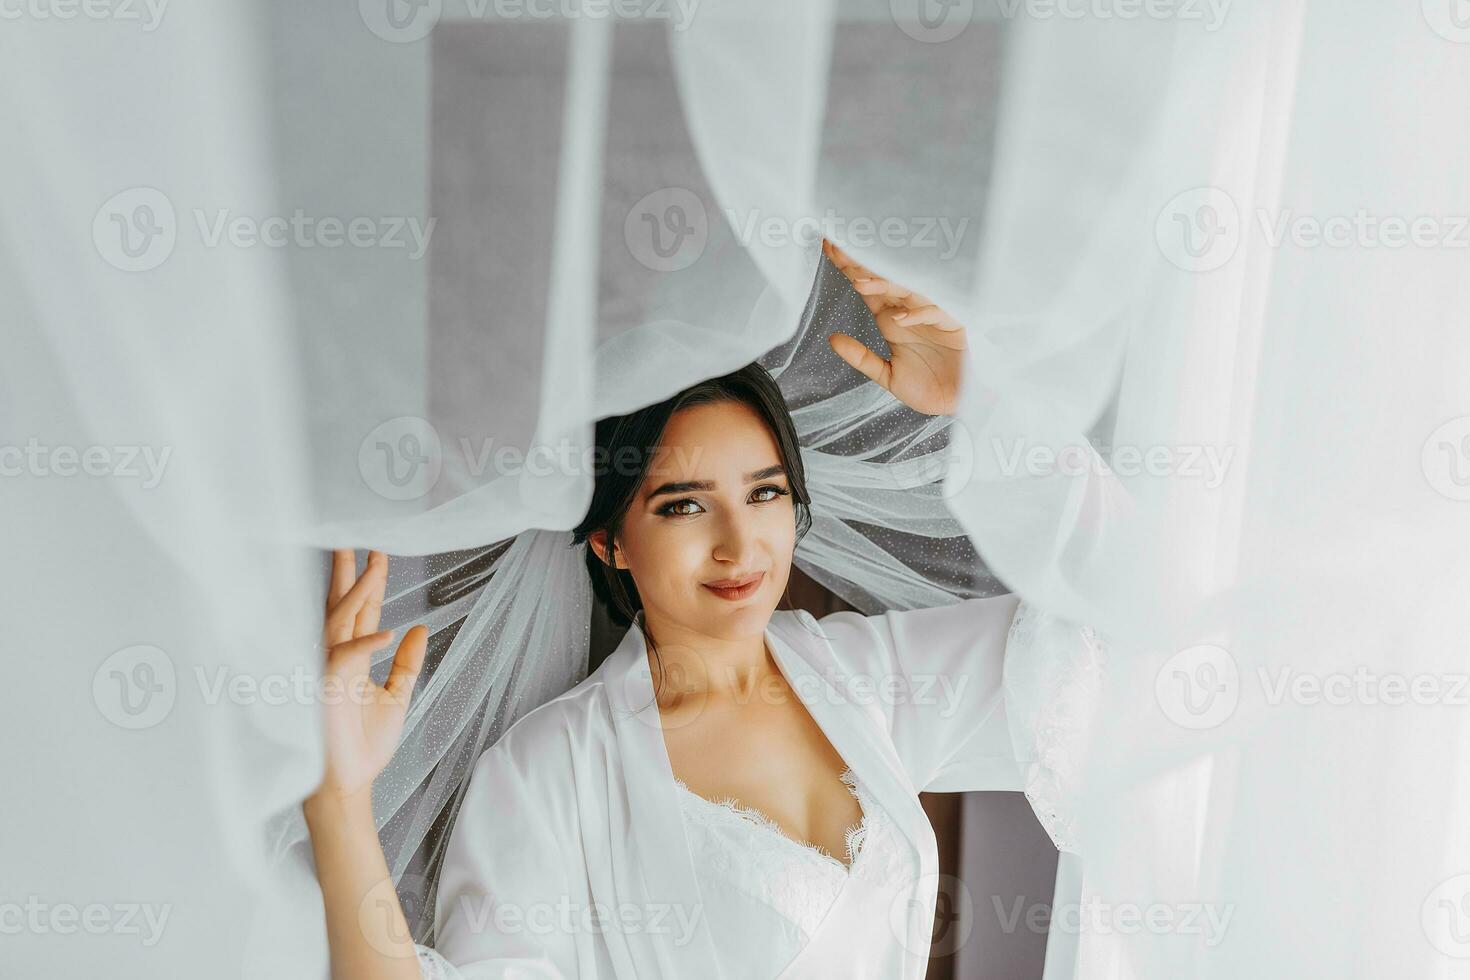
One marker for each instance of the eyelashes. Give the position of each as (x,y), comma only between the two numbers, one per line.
(668,509)
(780,491)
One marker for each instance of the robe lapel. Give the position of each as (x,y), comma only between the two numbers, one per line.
(657,821)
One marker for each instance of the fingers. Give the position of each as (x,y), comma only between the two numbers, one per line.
(342,618)
(344,571)
(928,316)
(407,663)
(358,647)
(881,294)
(372,608)
(855,353)
(870,285)
(876,287)
(876,291)
(849,265)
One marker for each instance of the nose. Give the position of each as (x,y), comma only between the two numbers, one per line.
(736,541)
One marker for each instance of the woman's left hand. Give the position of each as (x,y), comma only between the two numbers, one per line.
(927,344)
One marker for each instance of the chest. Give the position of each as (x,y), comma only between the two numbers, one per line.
(768,753)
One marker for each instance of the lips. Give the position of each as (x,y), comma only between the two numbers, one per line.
(736,588)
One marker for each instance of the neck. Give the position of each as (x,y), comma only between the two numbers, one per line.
(694,663)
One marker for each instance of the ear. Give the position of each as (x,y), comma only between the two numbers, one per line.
(598,541)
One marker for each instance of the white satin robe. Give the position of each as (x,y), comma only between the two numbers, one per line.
(569,859)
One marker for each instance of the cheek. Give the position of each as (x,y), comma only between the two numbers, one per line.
(778,541)
(783,544)
(783,535)
(664,557)
(784,521)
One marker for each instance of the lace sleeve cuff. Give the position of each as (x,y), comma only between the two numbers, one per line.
(1053,680)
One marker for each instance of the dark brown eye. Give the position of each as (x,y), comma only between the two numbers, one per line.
(778,492)
(671,509)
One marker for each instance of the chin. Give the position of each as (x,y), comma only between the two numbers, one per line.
(745,619)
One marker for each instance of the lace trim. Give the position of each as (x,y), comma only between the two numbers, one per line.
(853,838)
(1053,681)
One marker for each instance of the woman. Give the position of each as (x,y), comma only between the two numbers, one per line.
(734,791)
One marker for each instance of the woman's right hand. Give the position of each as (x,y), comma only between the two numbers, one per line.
(363,721)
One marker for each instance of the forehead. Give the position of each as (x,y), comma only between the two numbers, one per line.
(713,440)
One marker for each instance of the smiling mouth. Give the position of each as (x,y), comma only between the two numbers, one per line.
(737,588)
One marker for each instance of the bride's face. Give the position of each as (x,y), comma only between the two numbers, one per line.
(714,506)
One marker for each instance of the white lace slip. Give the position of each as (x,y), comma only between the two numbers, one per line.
(738,847)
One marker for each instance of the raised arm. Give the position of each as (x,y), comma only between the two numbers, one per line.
(366,930)
(506,904)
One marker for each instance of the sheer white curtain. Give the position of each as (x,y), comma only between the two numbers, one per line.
(1220,247)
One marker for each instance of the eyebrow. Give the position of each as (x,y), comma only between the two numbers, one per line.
(688,486)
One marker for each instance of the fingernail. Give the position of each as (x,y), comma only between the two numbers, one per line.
(900,316)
